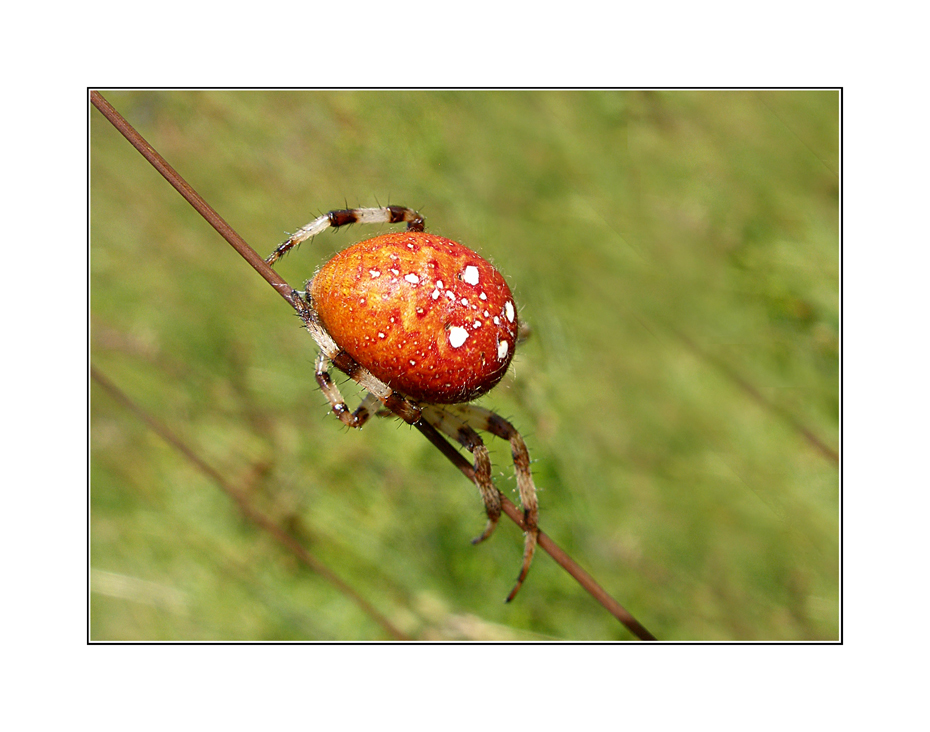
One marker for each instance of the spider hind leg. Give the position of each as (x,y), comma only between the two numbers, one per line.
(460,423)
(450,424)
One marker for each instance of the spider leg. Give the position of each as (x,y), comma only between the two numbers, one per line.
(330,352)
(343,217)
(350,419)
(456,428)
(486,420)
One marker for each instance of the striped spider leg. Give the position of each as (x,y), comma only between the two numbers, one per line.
(344,217)
(460,422)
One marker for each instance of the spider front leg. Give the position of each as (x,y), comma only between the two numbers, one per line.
(343,217)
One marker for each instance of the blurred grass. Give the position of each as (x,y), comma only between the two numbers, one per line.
(676,254)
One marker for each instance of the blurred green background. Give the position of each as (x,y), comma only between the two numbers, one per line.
(676,254)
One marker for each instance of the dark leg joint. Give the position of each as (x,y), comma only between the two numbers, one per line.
(499,426)
(404,409)
(345,363)
(414,221)
(342,217)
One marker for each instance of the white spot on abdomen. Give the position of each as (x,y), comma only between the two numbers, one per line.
(508,310)
(471,275)
(457,336)
(502,349)
(412,279)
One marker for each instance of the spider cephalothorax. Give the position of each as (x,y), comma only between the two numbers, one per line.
(425,325)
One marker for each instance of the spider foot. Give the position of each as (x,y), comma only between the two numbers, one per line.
(488,530)
(529,549)
(282,249)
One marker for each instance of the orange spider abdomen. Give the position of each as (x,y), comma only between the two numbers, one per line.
(427,316)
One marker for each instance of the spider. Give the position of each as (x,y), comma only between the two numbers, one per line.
(425,326)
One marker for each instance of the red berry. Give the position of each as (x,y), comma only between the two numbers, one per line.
(427,316)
